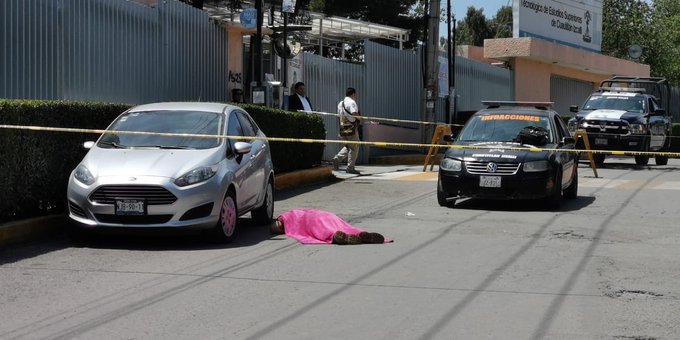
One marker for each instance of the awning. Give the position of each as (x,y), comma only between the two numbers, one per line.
(324,29)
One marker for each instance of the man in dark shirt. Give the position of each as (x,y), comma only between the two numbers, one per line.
(298,100)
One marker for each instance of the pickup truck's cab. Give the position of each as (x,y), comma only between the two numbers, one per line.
(626,119)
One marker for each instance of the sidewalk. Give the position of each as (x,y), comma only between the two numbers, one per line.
(34,228)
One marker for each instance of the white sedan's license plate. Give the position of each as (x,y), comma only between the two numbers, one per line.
(130,207)
(490,181)
(600,141)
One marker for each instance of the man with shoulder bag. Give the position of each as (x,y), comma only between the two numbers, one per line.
(349,123)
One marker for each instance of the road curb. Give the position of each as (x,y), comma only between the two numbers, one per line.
(303,177)
(25,230)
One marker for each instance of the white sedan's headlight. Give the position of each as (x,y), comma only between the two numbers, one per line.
(83,175)
(536,166)
(639,129)
(451,164)
(197,175)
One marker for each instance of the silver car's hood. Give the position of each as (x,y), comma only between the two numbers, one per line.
(148,162)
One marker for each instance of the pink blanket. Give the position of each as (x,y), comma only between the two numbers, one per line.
(311,226)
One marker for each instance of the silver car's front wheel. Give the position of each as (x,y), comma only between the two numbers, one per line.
(226,226)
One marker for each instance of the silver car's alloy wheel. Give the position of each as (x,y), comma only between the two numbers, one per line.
(228,216)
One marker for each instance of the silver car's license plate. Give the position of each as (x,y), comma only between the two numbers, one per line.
(601,141)
(490,181)
(130,207)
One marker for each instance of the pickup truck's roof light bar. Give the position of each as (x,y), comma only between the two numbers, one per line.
(498,103)
(622,89)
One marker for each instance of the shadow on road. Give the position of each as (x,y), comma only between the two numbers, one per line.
(576,204)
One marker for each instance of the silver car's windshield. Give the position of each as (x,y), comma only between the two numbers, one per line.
(180,122)
(610,102)
(501,127)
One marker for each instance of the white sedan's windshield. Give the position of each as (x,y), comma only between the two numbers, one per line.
(501,127)
(179,122)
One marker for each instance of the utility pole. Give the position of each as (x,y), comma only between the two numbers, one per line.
(431,68)
(451,60)
(258,43)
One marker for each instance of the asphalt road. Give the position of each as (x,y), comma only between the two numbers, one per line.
(605,266)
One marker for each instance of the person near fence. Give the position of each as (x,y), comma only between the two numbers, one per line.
(350,120)
(312,226)
(298,101)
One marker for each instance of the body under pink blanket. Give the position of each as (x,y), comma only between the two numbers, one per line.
(311,226)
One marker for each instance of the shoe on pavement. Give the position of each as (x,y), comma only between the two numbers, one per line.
(353,172)
(336,164)
(343,238)
(372,238)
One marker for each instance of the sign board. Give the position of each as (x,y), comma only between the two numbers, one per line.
(575,23)
(248,18)
(288,6)
(443,77)
(295,70)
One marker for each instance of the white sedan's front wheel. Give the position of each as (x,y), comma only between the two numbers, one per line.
(226,226)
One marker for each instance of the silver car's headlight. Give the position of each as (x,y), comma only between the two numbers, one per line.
(536,166)
(83,175)
(197,175)
(451,164)
(638,129)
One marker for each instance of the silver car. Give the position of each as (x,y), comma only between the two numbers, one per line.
(134,181)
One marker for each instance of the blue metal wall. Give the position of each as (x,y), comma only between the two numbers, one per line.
(390,85)
(110,50)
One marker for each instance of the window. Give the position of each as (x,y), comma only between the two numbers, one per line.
(246,124)
(233,129)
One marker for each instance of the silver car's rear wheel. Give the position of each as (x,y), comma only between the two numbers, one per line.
(226,226)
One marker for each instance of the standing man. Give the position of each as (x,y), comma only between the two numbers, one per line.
(349,114)
(298,101)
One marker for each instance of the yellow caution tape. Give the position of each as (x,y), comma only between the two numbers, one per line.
(341,142)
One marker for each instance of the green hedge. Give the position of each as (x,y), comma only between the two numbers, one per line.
(35,165)
(278,123)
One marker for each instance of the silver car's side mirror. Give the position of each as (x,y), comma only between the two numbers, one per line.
(242,148)
(88,144)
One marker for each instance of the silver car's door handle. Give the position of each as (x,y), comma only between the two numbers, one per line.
(252,156)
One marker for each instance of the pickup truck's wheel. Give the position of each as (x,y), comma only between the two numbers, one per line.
(661,160)
(641,160)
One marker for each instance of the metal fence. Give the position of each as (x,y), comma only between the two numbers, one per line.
(675,104)
(110,50)
(390,85)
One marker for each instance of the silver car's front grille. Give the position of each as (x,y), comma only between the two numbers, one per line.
(482,168)
(154,195)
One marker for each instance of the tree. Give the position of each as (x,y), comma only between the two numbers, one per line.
(473,29)
(665,60)
(501,24)
(656,28)
(624,22)
(195,3)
